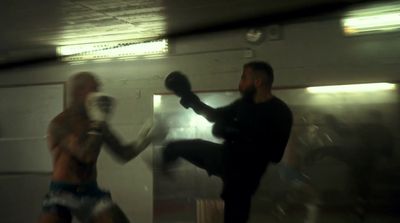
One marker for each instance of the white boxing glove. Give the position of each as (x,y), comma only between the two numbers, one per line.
(99,106)
(158,130)
(153,130)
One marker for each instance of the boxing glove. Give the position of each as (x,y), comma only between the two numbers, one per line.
(153,130)
(99,106)
(180,85)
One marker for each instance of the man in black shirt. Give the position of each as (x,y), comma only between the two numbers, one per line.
(255,129)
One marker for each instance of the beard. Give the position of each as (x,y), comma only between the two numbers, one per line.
(248,93)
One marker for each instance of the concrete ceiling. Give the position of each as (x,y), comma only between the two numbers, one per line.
(30,30)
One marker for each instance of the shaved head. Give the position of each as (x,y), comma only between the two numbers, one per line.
(80,84)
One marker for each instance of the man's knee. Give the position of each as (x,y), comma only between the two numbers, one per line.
(171,151)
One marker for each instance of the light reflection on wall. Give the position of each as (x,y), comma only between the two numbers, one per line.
(156,101)
(335,135)
(352,88)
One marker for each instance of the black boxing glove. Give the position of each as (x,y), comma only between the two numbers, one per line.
(180,85)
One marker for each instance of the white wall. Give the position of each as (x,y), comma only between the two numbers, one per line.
(312,53)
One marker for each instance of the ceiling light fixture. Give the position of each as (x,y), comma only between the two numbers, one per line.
(112,50)
(374,19)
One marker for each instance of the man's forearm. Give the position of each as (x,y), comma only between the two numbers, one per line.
(204,110)
(123,152)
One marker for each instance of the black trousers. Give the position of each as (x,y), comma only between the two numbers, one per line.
(237,189)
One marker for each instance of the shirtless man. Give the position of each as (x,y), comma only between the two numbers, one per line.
(75,138)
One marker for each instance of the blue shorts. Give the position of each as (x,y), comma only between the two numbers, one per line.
(79,200)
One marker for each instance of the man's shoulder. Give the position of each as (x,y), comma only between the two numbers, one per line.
(276,103)
(59,122)
(280,108)
(58,119)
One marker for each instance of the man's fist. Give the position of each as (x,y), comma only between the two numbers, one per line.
(178,83)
